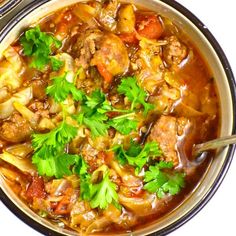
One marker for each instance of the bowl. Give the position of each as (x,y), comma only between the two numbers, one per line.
(210,51)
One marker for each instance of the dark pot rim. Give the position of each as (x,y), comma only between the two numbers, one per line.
(229,156)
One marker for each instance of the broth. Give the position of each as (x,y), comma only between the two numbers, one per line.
(100,107)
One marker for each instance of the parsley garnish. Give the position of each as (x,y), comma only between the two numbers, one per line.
(137,155)
(99,194)
(161,182)
(98,101)
(124,124)
(136,95)
(61,88)
(103,193)
(48,151)
(38,45)
(56,64)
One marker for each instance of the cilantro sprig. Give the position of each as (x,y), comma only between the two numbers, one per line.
(99,194)
(137,155)
(93,115)
(158,180)
(61,88)
(39,45)
(135,94)
(48,151)
(124,123)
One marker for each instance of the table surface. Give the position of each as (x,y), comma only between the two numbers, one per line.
(216,217)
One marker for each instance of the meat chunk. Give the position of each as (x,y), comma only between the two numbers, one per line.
(41,109)
(112,54)
(92,156)
(86,44)
(39,88)
(15,130)
(165,133)
(174,52)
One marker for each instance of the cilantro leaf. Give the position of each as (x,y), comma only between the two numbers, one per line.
(61,88)
(58,166)
(45,166)
(137,155)
(162,182)
(56,64)
(48,148)
(85,187)
(93,120)
(38,45)
(123,124)
(134,93)
(99,194)
(59,136)
(98,101)
(103,193)
(92,113)
(96,124)
(81,167)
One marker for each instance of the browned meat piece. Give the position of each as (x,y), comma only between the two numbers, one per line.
(92,156)
(39,88)
(15,130)
(174,52)
(112,54)
(41,109)
(86,44)
(165,133)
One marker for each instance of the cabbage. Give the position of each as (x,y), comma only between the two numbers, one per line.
(15,60)
(23,97)
(11,69)
(26,113)
(8,77)
(23,164)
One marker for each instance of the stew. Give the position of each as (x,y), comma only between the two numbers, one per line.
(100,106)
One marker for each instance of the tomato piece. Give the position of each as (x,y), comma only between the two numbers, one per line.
(148,25)
(129,38)
(36,188)
(104,72)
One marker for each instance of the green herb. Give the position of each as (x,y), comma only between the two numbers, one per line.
(161,182)
(38,45)
(48,150)
(61,88)
(56,64)
(99,194)
(92,113)
(98,101)
(85,187)
(59,165)
(134,93)
(137,155)
(103,193)
(94,120)
(124,124)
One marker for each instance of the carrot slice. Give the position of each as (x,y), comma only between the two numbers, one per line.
(104,72)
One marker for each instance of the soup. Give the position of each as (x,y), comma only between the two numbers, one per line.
(100,106)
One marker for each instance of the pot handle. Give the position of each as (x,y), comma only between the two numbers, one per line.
(8,6)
